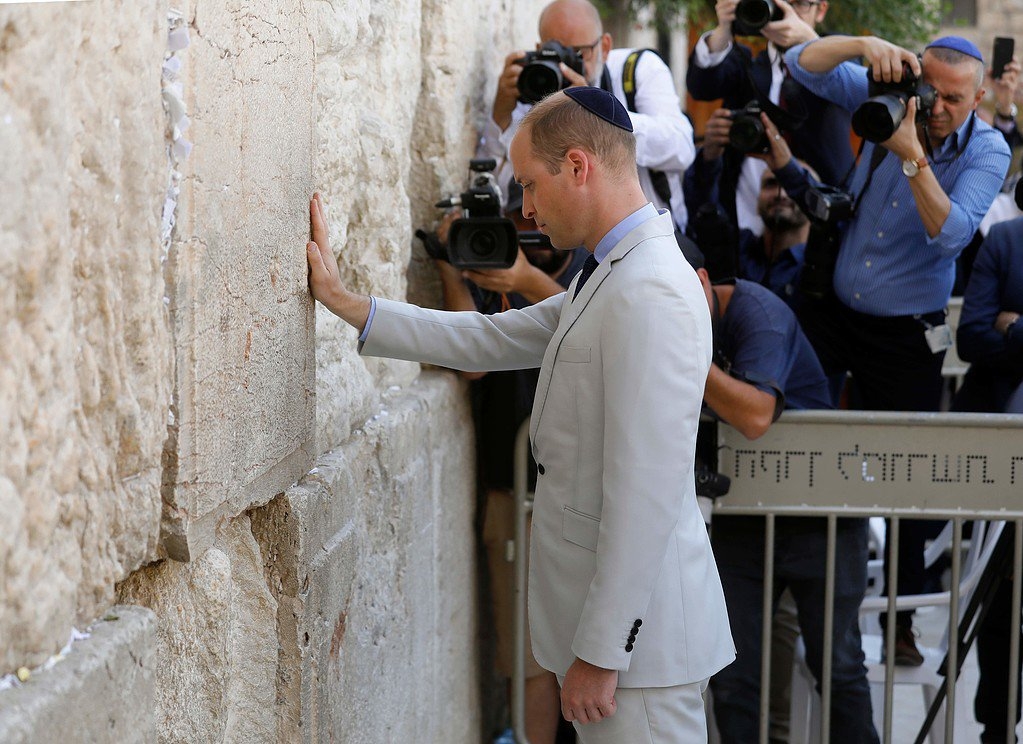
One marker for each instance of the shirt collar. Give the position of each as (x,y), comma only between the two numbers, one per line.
(623,228)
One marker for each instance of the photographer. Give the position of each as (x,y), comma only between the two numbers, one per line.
(763,364)
(915,211)
(774,259)
(664,136)
(504,400)
(721,68)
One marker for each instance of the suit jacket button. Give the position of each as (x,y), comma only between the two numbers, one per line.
(632,637)
(628,648)
(638,623)
(540,469)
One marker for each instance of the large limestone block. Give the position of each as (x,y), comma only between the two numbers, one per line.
(101,691)
(84,343)
(371,560)
(216,641)
(242,316)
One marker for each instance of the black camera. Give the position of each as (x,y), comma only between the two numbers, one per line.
(880,115)
(482,239)
(747,133)
(711,484)
(541,71)
(753,15)
(828,204)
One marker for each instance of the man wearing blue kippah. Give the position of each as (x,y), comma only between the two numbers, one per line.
(920,195)
(625,602)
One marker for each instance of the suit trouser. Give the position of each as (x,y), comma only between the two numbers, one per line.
(893,369)
(650,715)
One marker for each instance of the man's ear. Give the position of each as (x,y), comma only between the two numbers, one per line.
(605,45)
(580,164)
(822,10)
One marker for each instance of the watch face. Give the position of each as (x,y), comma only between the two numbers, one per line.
(910,168)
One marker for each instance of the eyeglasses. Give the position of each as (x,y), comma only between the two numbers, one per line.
(804,4)
(586,51)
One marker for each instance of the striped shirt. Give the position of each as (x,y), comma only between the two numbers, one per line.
(887,264)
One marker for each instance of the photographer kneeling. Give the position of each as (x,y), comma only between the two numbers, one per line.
(927,175)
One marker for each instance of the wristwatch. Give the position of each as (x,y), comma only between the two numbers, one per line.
(1011,116)
(912,167)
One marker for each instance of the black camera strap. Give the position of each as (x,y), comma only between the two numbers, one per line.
(795,114)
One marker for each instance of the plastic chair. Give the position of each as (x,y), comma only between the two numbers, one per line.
(805,711)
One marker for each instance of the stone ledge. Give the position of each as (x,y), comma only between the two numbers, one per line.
(102,691)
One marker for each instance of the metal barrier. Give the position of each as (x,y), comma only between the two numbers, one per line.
(898,465)
(836,464)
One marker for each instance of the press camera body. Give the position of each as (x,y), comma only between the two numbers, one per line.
(541,72)
(827,207)
(482,238)
(747,133)
(880,115)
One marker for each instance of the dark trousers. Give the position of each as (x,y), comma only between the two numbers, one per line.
(892,369)
(799,566)
(991,704)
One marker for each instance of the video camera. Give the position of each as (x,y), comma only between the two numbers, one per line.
(541,71)
(880,115)
(482,239)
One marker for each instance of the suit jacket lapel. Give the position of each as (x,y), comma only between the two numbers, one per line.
(572,309)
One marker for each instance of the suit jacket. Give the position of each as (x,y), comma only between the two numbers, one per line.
(822,140)
(621,571)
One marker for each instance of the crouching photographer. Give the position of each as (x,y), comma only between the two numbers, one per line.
(534,272)
(920,196)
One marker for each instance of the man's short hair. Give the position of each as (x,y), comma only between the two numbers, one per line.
(955,57)
(557,124)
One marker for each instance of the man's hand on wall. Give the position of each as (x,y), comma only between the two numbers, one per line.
(324,279)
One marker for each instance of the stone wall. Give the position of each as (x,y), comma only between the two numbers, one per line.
(179,427)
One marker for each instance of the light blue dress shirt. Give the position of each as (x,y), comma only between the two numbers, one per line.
(887,264)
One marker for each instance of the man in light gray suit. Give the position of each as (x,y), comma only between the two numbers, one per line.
(625,603)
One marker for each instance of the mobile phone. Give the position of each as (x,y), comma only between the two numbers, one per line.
(1002,55)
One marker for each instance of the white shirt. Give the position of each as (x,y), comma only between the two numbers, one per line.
(664,136)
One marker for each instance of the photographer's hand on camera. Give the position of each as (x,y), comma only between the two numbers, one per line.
(507,94)
(721,36)
(886,59)
(715,134)
(790,30)
(779,155)
(521,278)
(324,279)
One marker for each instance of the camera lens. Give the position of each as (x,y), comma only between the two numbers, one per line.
(481,243)
(754,13)
(747,133)
(538,80)
(877,118)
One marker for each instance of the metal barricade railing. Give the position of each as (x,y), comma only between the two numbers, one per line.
(837,464)
(862,464)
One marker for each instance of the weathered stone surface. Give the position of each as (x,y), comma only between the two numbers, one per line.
(370,558)
(216,641)
(243,336)
(102,691)
(84,348)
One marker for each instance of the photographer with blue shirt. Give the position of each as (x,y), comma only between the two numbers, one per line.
(763,364)
(919,198)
